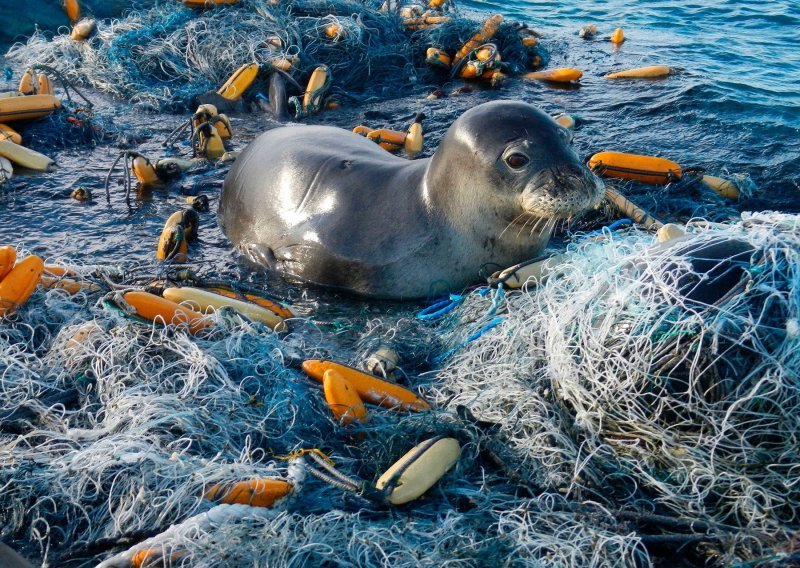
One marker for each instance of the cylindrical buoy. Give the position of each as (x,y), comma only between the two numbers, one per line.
(83,29)
(651,72)
(628,208)
(73,10)
(437,58)
(262,492)
(563,75)
(725,188)
(646,169)
(413,141)
(669,232)
(419,470)
(486,33)
(18,285)
(238,83)
(157,309)
(26,157)
(8,133)
(342,398)
(370,388)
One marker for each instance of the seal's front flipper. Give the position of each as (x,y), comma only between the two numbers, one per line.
(262,256)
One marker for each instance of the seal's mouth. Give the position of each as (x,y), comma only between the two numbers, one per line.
(560,193)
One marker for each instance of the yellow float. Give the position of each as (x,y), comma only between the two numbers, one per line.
(204,301)
(651,72)
(562,75)
(239,82)
(370,388)
(27,108)
(419,469)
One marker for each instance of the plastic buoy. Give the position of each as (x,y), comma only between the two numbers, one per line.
(203,300)
(391,140)
(8,133)
(413,142)
(6,170)
(44,85)
(274,306)
(486,33)
(419,469)
(27,83)
(437,58)
(20,282)
(158,309)
(651,72)
(26,157)
(211,145)
(725,188)
(27,108)
(315,89)
(563,75)
(238,83)
(73,10)
(629,209)
(646,169)
(342,398)
(617,37)
(370,388)
(70,286)
(588,31)
(83,29)
(669,232)
(262,492)
(8,256)
(565,121)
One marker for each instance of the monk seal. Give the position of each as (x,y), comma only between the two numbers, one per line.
(333,208)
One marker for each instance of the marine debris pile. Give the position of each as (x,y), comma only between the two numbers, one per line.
(623,404)
(161,57)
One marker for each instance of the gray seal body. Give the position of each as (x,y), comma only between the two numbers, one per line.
(332,208)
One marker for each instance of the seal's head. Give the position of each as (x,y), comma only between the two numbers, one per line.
(512,162)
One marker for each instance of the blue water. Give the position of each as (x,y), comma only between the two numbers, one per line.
(736,105)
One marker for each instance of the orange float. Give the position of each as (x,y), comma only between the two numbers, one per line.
(370,388)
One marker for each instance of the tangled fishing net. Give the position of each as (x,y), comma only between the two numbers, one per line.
(161,57)
(610,386)
(601,417)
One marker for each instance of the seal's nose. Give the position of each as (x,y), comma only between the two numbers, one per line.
(563,191)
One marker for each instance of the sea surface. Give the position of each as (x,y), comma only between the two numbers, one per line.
(733,109)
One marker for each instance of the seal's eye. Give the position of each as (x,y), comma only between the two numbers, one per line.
(516,160)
